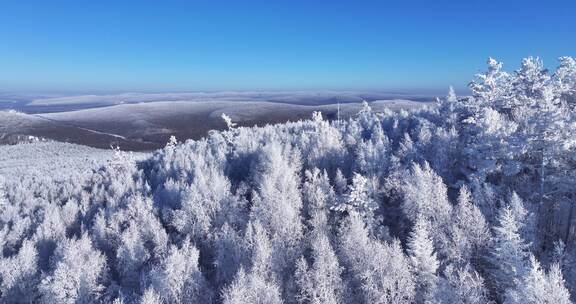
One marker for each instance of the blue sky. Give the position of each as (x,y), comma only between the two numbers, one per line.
(272,45)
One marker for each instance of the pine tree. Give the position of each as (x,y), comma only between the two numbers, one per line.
(320,282)
(261,259)
(493,85)
(259,284)
(278,202)
(376,272)
(359,199)
(423,260)
(537,287)
(524,218)
(251,288)
(340,182)
(426,198)
(231,253)
(451,95)
(425,195)
(557,290)
(469,231)
(19,275)
(150,296)
(78,276)
(318,196)
(510,252)
(564,81)
(449,109)
(178,279)
(131,255)
(461,285)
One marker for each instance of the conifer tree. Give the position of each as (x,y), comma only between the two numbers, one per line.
(423,260)
(509,253)
(320,282)
(79,273)
(537,287)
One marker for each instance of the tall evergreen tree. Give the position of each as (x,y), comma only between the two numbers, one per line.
(79,274)
(320,282)
(423,260)
(509,253)
(537,287)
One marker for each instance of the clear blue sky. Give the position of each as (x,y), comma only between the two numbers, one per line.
(291,44)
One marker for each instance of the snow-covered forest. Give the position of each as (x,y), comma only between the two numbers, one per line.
(469,201)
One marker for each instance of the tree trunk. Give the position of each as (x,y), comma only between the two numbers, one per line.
(569,224)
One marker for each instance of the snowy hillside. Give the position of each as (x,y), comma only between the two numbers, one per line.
(18,124)
(288,97)
(147,126)
(51,159)
(468,201)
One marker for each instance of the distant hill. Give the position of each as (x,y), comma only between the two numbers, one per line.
(148,125)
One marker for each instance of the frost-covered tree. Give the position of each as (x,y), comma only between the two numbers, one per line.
(79,273)
(469,232)
(525,219)
(541,116)
(359,199)
(259,283)
(444,153)
(407,152)
(423,260)
(492,86)
(172,142)
(557,291)
(564,81)
(318,195)
(277,206)
(228,121)
(461,285)
(509,255)
(132,256)
(231,252)
(202,200)
(451,95)
(19,275)
(50,232)
(261,260)
(377,272)
(251,288)
(538,287)
(150,296)
(178,279)
(425,196)
(340,182)
(278,201)
(449,109)
(373,155)
(320,281)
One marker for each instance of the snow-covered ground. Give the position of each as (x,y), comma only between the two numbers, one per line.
(146,113)
(55,159)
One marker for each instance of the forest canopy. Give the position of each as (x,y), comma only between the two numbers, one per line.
(467,201)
